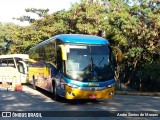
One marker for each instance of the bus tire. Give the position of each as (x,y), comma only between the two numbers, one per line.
(34,85)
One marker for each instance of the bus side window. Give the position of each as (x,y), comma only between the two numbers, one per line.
(7,63)
(50,52)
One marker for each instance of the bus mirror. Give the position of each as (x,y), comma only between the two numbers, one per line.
(119,53)
(64,52)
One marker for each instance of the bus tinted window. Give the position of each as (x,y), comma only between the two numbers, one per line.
(7,63)
(50,52)
(45,53)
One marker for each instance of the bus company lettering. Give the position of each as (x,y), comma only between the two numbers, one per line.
(93,84)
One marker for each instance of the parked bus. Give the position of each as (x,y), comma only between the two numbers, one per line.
(74,66)
(13,68)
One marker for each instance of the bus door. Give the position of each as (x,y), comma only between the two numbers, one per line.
(59,77)
(59,84)
(22,68)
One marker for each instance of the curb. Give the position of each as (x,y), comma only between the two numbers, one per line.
(137,93)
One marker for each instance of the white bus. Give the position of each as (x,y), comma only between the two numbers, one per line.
(13,67)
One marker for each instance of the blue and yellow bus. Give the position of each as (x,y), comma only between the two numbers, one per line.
(74,66)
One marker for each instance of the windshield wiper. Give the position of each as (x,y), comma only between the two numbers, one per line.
(101,61)
(91,59)
(91,63)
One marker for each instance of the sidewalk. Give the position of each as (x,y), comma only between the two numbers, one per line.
(137,93)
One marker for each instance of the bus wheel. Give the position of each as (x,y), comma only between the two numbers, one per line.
(55,96)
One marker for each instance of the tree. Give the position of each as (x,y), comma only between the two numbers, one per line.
(40,12)
(133,27)
(88,17)
(7,37)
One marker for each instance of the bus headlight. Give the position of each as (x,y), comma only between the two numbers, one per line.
(72,86)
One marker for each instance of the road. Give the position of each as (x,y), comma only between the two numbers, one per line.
(39,100)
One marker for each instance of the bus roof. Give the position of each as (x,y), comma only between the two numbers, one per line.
(81,39)
(23,56)
(76,39)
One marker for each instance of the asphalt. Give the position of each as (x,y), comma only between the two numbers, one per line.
(136,93)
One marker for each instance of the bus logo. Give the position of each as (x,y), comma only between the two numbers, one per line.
(93,84)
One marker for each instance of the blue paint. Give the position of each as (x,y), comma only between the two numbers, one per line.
(86,84)
(81,39)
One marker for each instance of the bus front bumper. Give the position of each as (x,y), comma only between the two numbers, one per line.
(75,93)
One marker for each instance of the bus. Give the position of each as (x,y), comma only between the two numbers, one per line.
(13,68)
(74,66)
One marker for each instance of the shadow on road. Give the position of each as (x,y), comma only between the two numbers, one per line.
(41,100)
(72,102)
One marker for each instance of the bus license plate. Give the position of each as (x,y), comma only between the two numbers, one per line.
(92,96)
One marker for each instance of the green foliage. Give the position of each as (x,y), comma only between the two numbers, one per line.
(135,29)
(87,18)
(40,12)
(151,76)
(7,36)
(134,52)
(152,71)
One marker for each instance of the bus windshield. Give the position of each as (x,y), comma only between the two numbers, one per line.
(89,63)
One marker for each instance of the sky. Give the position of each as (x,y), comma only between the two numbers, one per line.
(10,9)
